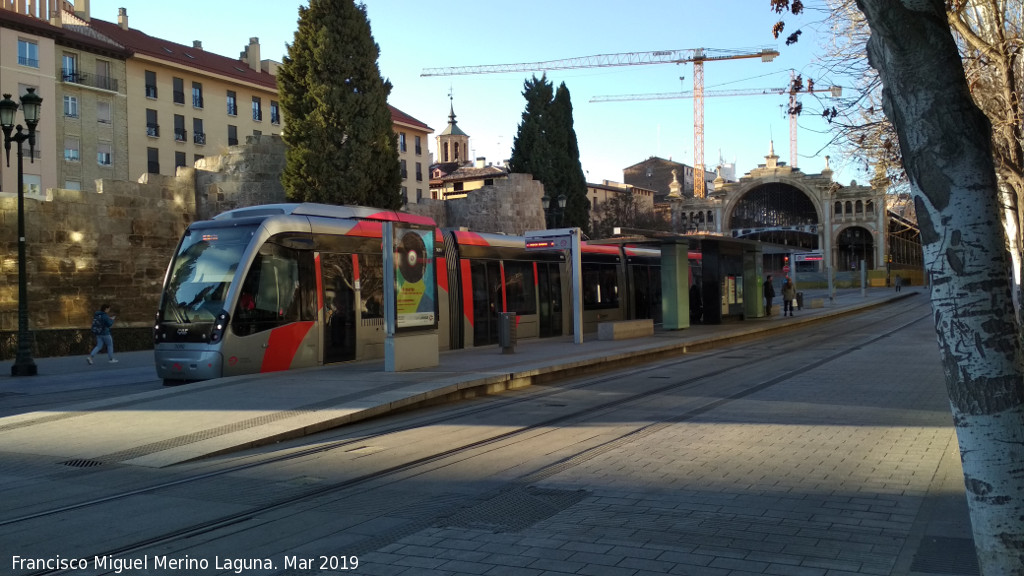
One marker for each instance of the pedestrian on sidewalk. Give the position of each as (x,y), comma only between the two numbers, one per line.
(101,323)
(788,297)
(898,282)
(769,294)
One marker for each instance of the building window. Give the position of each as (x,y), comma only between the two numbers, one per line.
(69,68)
(232,103)
(179,91)
(71,106)
(103,154)
(198,136)
(419,172)
(32,184)
(150,84)
(197,95)
(275,113)
(28,53)
(179,128)
(405,171)
(401,141)
(153,160)
(103,112)
(419,147)
(232,135)
(419,195)
(103,79)
(71,150)
(152,128)
(257,109)
(72,185)
(405,195)
(179,160)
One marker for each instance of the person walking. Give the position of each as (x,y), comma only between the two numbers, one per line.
(769,294)
(788,297)
(101,323)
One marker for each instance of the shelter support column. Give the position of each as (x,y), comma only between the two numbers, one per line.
(753,270)
(675,284)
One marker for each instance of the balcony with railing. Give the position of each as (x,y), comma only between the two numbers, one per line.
(199,137)
(197,101)
(30,62)
(180,135)
(179,97)
(73,76)
(232,109)
(153,130)
(150,90)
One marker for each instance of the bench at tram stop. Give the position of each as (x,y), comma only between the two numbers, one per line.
(623,329)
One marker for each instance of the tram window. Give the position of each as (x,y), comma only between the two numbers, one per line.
(520,288)
(371,282)
(600,286)
(272,293)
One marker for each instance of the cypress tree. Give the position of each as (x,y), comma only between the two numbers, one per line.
(546,147)
(569,171)
(341,148)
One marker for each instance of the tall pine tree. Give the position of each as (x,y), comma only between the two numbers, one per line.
(341,148)
(545,147)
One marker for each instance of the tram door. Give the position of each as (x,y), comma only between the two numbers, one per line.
(338,281)
(549,293)
(487,302)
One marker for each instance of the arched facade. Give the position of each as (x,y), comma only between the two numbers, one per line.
(794,212)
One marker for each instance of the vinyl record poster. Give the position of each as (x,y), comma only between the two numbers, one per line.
(416,287)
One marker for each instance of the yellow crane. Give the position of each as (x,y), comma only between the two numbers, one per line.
(698,56)
(796,86)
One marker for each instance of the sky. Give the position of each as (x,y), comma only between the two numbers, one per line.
(414,35)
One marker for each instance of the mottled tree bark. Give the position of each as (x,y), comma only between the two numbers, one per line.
(947,152)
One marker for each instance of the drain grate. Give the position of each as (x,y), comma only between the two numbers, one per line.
(515,510)
(82,463)
(946,556)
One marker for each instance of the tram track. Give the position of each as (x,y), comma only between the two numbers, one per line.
(795,341)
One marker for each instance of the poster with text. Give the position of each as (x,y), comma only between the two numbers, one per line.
(415,284)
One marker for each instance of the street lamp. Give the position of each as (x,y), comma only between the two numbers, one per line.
(553,215)
(31,103)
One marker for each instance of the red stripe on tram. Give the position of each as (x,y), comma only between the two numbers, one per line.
(284,342)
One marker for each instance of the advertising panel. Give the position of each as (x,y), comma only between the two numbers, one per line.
(415,282)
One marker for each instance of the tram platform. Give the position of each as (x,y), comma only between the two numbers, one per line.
(172,425)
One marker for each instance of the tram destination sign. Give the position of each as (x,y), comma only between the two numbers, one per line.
(549,240)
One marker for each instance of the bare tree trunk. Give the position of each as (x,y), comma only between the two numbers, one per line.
(947,152)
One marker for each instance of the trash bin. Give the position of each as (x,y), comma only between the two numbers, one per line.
(507,332)
(800,300)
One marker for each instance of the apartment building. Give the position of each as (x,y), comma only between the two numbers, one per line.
(139,104)
(81,134)
(413,155)
(185,103)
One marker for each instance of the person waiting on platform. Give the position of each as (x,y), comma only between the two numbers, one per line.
(788,297)
(769,294)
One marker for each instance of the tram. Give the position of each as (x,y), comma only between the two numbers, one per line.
(287,286)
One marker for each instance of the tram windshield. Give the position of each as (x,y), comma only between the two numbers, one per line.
(202,271)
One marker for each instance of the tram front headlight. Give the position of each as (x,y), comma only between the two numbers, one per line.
(220,324)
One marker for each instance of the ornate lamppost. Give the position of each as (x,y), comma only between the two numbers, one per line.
(31,102)
(553,215)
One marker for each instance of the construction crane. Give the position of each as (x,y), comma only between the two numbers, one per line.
(698,56)
(795,87)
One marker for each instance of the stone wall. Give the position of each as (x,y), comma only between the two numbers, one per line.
(509,206)
(247,175)
(85,248)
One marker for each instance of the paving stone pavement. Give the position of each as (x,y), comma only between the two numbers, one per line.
(822,475)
